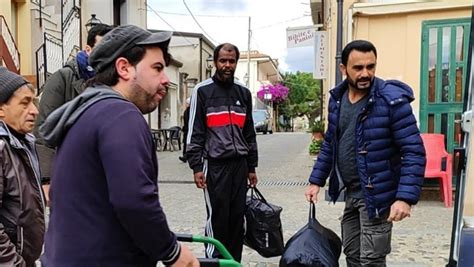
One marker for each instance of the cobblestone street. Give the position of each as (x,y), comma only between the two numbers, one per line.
(284,166)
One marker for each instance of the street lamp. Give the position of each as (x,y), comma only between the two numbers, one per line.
(209,65)
(93,21)
(190,83)
(246,79)
(210,62)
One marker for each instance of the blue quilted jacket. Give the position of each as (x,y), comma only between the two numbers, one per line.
(389,151)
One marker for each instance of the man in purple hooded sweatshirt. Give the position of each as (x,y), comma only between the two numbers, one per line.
(105,209)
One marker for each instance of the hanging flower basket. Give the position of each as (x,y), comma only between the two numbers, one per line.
(274,93)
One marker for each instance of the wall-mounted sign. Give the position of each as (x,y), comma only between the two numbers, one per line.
(299,36)
(321,54)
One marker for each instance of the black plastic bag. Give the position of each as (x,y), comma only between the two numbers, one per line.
(313,245)
(263,225)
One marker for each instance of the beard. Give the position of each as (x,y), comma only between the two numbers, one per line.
(355,83)
(144,101)
(224,77)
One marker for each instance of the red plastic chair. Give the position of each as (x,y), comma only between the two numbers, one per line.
(439,164)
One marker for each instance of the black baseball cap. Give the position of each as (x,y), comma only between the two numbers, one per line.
(121,39)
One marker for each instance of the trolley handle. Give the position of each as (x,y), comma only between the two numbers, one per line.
(207,240)
(184,237)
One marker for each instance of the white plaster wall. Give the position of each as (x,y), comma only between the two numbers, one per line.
(170,101)
(134,12)
(189,56)
(131,12)
(254,83)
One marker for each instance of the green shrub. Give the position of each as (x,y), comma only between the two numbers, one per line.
(317,126)
(315,146)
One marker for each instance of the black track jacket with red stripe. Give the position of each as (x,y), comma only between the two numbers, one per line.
(221,124)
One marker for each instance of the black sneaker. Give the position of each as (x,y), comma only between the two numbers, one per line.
(183,159)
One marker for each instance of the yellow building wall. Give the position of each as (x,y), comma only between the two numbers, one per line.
(24,42)
(5,11)
(397,38)
(22,32)
(331,28)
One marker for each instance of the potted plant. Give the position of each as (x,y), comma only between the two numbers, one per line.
(317,129)
(315,146)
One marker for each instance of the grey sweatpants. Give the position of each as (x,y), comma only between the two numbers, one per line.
(366,241)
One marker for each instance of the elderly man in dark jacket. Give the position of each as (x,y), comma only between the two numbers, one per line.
(373,149)
(21,197)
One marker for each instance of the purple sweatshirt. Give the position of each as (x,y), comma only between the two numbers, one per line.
(105,209)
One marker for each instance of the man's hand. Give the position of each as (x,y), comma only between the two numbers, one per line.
(200,180)
(46,193)
(312,193)
(186,258)
(252,179)
(399,211)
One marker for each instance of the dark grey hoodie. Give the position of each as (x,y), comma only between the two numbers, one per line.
(58,123)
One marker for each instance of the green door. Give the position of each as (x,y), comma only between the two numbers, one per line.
(443,71)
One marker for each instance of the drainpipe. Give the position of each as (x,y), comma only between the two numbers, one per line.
(200,60)
(339,40)
(248,56)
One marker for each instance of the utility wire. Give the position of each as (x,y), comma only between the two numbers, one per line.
(280,22)
(255,42)
(232,16)
(158,15)
(201,15)
(195,20)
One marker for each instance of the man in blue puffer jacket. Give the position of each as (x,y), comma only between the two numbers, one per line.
(373,149)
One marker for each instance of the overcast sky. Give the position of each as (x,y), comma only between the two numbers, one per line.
(227,21)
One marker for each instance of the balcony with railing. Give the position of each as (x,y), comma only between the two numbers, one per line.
(49,58)
(71,40)
(9,53)
(55,52)
(71,28)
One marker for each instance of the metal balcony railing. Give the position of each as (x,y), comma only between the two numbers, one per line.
(39,3)
(49,59)
(41,61)
(10,44)
(71,28)
(68,7)
(71,39)
(53,52)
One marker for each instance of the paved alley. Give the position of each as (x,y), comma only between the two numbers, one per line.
(284,166)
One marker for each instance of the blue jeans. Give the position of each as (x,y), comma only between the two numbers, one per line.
(366,241)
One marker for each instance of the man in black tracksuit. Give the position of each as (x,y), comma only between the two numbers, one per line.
(222,150)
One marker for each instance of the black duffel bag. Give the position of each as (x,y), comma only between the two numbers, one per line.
(263,225)
(313,245)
